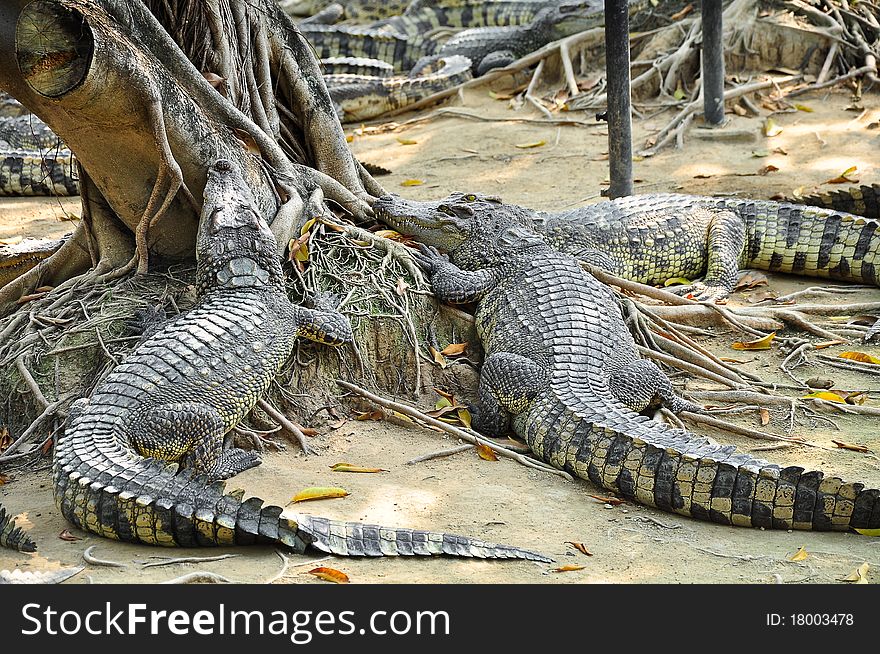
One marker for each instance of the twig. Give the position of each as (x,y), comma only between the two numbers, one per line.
(285,561)
(189,559)
(30,381)
(200,577)
(687,367)
(736,429)
(287,424)
(440,454)
(48,411)
(92,560)
(460,433)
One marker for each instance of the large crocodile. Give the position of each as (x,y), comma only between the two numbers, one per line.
(494,47)
(360,41)
(360,10)
(142,459)
(561,369)
(361,97)
(652,238)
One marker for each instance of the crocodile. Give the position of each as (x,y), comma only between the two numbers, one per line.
(18,258)
(861,200)
(561,370)
(13,537)
(356,66)
(360,41)
(361,97)
(495,47)
(428,18)
(359,10)
(33,160)
(655,237)
(142,458)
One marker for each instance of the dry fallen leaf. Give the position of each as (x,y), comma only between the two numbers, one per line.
(534,144)
(820,382)
(676,280)
(348,467)
(580,547)
(800,555)
(613,501)
(759,344)
(464,417)
(850,446)
(859,575)
(750,279)
(449,397)
(66,535)
(771,128)
(765,417)
(4,479)
(860,357)
(371,415)
(439,359)
(846,177)
(869,532)
(329,574)
(401,286)
(403,141)
(569,568)
(412,182)
(454,349)
(828,396)
(319,493)
(803,107)
(338,423)
(684,12)
(486,453)
(769,168)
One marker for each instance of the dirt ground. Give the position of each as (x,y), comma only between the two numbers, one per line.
(503,501)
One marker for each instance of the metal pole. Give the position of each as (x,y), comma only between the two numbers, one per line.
(619,113)
(712,62)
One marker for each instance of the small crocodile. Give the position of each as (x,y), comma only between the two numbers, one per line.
(495,47)
(356,66)
(13,537)
(561,370)
(18,258)
(361,97)
(654,237)
(142,458)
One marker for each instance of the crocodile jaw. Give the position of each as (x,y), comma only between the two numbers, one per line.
(424,221)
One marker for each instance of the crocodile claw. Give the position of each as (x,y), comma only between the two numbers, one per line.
(701,292)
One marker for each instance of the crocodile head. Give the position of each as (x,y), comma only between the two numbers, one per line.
(234,246)
(571,16)
(476,230)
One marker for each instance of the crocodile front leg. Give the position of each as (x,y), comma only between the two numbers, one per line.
(451,283)
(725,242)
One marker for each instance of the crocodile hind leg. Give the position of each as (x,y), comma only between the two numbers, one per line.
(191,434)
(640,384)
(725,242)
(508,383)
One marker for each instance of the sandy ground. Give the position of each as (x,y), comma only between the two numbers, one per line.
(503,501)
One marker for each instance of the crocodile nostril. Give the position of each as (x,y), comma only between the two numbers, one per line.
(223,165)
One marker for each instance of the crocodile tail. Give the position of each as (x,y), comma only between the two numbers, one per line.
(810,240)
(102,487)
(356,539)
(680,472)
(13,537)
(860,200)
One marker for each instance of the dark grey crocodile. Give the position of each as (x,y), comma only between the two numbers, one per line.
(495,47)
(361,97)
(142,459)
(13,537)
(561,370)
(652,238)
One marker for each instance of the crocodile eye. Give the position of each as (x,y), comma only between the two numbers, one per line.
(443,208)
(471,198)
